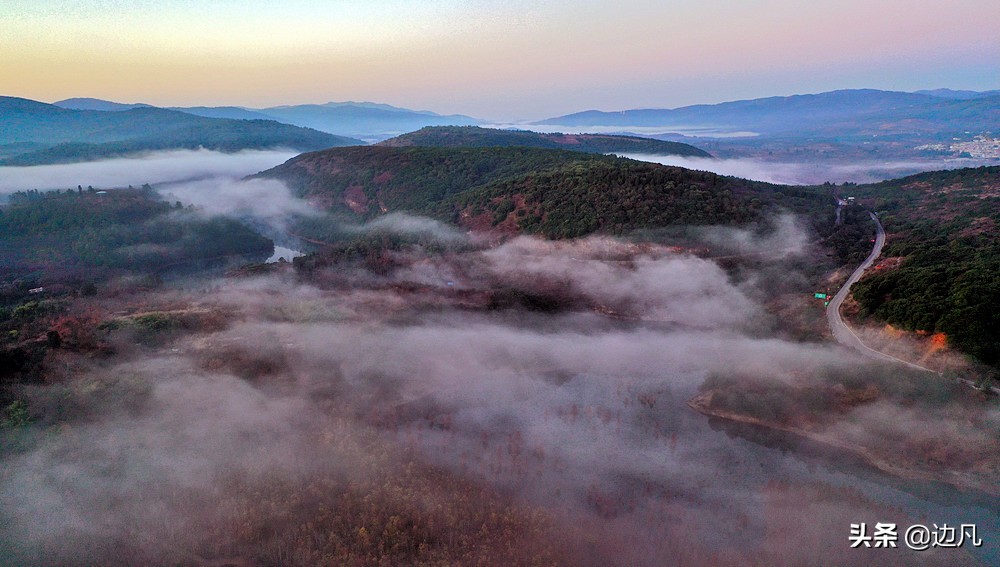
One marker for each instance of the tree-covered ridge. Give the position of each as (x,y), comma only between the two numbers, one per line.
(49,134)
(553,192)
(474,136)
(98,231)
(614,196)
(233,136)
(944,225)
(368,181)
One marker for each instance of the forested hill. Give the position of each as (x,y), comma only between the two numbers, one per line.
(556,193)
(58,236)
(37,133)
(944,227)
(474,136)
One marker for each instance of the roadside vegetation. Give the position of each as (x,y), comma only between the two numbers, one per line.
(943,225)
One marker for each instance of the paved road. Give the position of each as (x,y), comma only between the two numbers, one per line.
(841,331)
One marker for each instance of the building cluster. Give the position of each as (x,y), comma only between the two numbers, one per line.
(982,147)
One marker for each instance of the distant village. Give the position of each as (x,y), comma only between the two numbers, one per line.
(981,147)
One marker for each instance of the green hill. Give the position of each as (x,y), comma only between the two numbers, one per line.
(944,227)
(49,134)
(474,136)
(58,235)
(607,196)
(943,224)
(555,193)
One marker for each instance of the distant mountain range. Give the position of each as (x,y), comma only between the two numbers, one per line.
(882,123)
(366,120)
(97,104)
(476,137)
(37,133)
(837,114)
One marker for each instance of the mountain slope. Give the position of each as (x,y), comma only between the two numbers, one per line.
(114,231)
(943,229)
(97,104)
(474,136)
(516,189)
(842,113)
(757,112)
(942,225)
(365,120)
(233,112)
(58,134)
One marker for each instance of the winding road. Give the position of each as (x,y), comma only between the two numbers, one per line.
(841,331)
(846,336)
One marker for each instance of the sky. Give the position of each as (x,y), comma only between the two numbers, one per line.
(499,60)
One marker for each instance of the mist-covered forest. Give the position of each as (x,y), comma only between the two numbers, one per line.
(427,390)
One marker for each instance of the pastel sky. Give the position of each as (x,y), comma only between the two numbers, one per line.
(501,60)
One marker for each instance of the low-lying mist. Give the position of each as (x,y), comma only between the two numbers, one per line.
(515,404)
(811,173)
(466,402)
(213,182)
(154,167)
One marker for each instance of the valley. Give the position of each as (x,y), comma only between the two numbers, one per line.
(499,284)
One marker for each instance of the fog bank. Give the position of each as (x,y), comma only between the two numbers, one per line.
(555,373)
(807,173)
(152,168)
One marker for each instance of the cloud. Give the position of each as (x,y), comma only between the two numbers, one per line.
(211,181)
(785,239)
(267,200)
(576,410)
(657,284)
(411,225)
(788,173)
(157,167)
